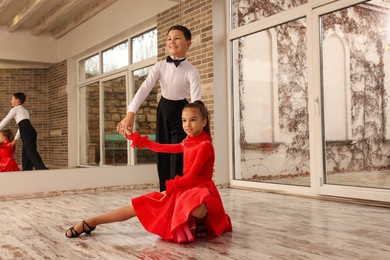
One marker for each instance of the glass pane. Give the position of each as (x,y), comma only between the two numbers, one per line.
(144,46)
(356,85)
(270,86)
(115,105)
(247,11)
(116,57)
(89,67)
(89,125)
(146,117)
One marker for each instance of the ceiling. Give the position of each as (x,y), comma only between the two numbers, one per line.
(48,17)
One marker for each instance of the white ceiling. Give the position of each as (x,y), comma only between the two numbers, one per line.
(49,17)
(42,17)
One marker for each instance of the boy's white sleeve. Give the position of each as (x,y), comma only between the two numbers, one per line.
(8,118)
(195,86)
(17,136)
(144,89)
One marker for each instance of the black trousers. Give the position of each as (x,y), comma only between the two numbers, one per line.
(30,156)
(169,131)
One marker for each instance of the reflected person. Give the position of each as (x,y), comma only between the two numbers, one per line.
(30,156)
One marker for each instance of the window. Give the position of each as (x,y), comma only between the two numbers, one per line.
(146,117)
(89,67)
(270,105)
(247,11)
(114,105)
(144,46)
(103,103)
(116,57)
(89,124)
(354,62)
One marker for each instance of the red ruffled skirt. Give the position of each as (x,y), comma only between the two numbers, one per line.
(8,165)
(165,217)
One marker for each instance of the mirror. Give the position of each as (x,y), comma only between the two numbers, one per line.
(51,89)
(45,106)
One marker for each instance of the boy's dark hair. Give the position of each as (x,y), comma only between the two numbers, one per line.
(186,32)
(200,106)
(20,96)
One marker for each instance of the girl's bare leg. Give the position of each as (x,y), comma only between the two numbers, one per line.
(200,225)
(200,211)
(117,215)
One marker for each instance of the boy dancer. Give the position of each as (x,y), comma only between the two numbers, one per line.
(30,156)
(178,79)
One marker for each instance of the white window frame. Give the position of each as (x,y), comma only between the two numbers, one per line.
(124,71)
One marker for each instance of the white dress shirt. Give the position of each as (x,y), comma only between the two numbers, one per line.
(177,83)
(18,113)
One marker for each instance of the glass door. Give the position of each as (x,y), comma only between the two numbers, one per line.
(310,97)
(271,108)
(355,89)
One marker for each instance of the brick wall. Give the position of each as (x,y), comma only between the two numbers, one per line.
(34,83)
(58,116)
(196,15)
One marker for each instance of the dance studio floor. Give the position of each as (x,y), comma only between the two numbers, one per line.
(265,226)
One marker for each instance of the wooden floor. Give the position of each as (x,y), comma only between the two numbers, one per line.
(265,226)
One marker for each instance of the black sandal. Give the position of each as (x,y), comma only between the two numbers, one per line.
(74,233)
(201,228)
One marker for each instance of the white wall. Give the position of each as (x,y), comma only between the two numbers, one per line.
(22,46)
(14,183)
(221,127)
(116,20)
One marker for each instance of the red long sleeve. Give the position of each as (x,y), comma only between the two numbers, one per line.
(143,141)
(204,153)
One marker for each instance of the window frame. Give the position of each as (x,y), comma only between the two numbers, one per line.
(312,11)
(102,77)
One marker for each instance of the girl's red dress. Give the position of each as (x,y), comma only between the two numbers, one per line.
(163,216)
(7,161)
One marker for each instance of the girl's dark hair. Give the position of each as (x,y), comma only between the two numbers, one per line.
(20,96)
(8,134)
(199,105)
(186,32)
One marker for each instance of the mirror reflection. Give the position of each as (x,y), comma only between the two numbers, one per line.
(26,134)
(103,78)
(37,135)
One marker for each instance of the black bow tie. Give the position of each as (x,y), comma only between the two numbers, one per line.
(176,62)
